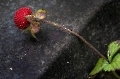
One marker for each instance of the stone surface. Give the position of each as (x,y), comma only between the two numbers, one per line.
(57,54)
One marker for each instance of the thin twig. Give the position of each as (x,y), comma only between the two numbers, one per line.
(77,35)
(116,75)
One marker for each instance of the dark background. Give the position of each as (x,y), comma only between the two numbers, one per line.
(57,54)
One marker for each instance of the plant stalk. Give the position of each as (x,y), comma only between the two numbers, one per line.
(77,35)
(116,75)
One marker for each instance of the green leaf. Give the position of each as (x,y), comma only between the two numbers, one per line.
(108,67)
(115,64)
(112,49)
(99,66)
(116,61)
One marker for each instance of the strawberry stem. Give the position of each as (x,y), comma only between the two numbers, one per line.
(41,15)
(77,35)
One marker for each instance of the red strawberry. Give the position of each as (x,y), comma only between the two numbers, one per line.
(19,17)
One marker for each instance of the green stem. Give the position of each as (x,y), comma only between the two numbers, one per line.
(116,75)
(77,35)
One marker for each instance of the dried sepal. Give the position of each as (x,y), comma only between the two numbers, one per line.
(41,14)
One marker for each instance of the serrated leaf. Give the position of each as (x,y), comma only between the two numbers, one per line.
(115,64)
(98,67)
(108,67)
(116,61)
(112,49)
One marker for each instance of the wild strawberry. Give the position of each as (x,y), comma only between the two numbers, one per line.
(19,17)
(25,20)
